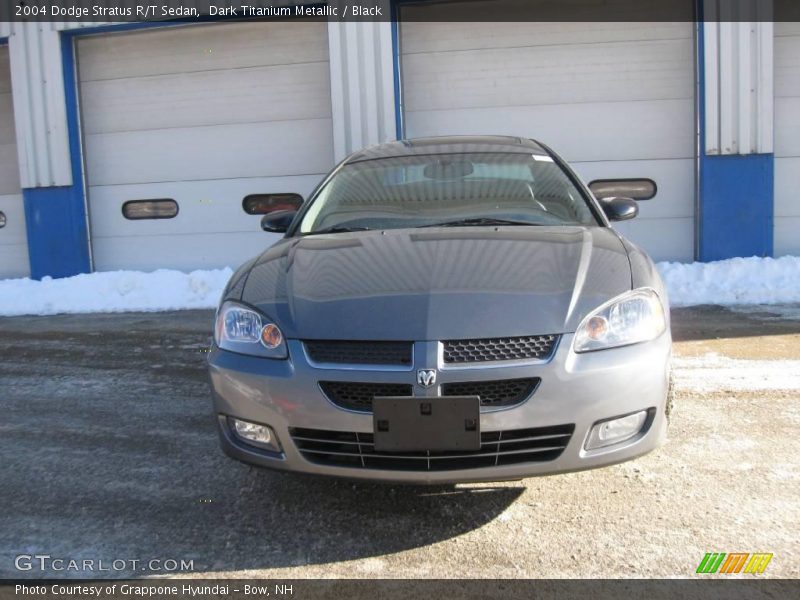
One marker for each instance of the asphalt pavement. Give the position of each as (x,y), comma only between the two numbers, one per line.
(108,453)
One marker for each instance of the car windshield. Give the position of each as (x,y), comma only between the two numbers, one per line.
(447,190)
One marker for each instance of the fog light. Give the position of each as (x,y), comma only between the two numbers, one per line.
(615,431)
(258,435)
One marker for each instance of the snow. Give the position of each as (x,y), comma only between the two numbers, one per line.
(751,280)
(113,291)
(737,281)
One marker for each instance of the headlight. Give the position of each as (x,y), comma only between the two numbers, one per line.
(633,317)
(243,330)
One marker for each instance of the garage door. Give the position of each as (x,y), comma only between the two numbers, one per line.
(615,99)
(197,119)
(787,138)
(13,239)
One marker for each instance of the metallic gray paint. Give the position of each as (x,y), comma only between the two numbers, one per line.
(576,388)
(438,283)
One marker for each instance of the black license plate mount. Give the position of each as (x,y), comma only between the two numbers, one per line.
(418,424)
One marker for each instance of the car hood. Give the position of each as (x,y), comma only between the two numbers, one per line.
(438,283)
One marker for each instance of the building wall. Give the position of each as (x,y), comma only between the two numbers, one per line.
(362,74)
(734,200)
(615,100)
(13,240)
(51,150)
(787,138)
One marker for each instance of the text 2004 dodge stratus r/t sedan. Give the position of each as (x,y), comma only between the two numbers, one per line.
(444,310)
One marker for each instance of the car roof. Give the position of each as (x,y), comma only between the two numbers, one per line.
(453,144)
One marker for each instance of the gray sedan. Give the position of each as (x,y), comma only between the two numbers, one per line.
(444,310)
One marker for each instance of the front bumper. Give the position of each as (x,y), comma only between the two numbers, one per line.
(579,389)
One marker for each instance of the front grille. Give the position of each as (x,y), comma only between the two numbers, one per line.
(355,395)
(357,450)
(358,396)
(360,353)
(494,349)
(503,392)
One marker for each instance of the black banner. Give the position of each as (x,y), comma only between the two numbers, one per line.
(138,11)
(400,589)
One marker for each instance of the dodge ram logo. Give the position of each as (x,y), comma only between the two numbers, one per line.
(426,377)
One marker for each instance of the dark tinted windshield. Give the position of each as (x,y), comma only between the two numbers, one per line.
(419,191)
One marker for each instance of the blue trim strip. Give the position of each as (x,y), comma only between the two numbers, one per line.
(56,225)
(399,121)
(701,121)
(736,192)
(58,241)
(74,138)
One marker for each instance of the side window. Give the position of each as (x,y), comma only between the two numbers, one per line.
(262,204)
(638,189)
(160,208)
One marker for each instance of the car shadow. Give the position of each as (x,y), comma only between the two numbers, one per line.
(285,520)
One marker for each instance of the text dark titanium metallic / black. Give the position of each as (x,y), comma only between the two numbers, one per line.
(444,310)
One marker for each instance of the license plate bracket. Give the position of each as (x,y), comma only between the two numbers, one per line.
(417,424)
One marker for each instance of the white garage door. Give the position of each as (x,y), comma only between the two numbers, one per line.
(205,116)
(614,99)
(787,138)
(13,238)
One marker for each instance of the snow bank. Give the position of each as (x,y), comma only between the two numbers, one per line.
(113,291)
(735,281)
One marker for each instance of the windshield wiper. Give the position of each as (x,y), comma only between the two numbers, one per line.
(479,221)
(337,229)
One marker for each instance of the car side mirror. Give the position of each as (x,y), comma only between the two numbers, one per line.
(278,221)
(619,208)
